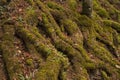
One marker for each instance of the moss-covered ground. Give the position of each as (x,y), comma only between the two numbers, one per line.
(53,40)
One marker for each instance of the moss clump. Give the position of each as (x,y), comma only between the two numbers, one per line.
(50,70)
(45,20)
(72,4)
(8,52)
(27,36)
(69,45)
(58,15)
(103,13)
(104,75)
(29,62)
(54,5)
(69,26)
(90,65)
(84,21)
(100,10)
(31,16)
(113,24)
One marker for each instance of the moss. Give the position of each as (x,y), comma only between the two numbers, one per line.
(8,50)
(84,21)
(113,24)
(72,4)
(51,27)
(103,57)
(69,51)
(53,61)
(55,21)
(71,54)
(69,26)
(118,19)
(63,76)
(85,55)
(111,9)
(89,65)
(44,50)
(48,24)
(54,5)
(103,13)
(104,75)
(51,70)
(100,52)
(58,15)
(29,62)
(112,13)
(100,10)
(31,38)
(31,16)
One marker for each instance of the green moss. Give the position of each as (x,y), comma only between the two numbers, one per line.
(8,50)
(63,76)
(29,62)
(54,5)
(74,54)
(49,70)
(113,24)
(52,67)
(55,22)
(104,75)
(103,54)
(47,25)
(58,15)
(100,10)
(44,50)
(69,26)
(89,65)
(31,38)
(84,21)
(102,13)
(72,4)
(31,16)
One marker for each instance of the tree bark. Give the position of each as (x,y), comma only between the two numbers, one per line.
(87,6)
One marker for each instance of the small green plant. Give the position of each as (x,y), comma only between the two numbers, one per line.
(22,77)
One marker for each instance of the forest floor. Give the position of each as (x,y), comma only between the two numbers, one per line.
(52,40)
